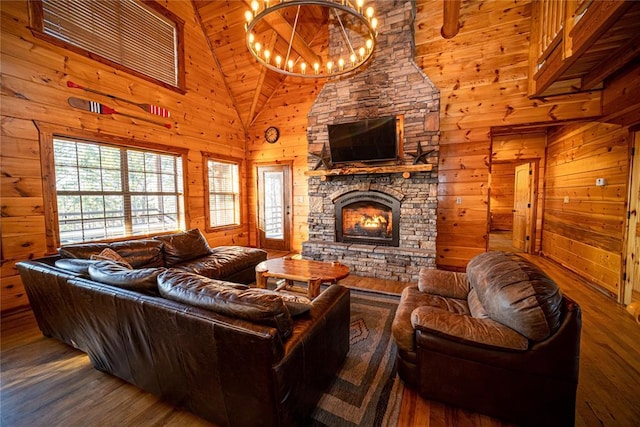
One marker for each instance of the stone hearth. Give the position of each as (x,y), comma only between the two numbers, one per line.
(391,85)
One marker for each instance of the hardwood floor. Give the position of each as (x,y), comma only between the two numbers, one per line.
(46,383)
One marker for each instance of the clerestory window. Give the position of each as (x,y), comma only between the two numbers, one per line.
(140,37)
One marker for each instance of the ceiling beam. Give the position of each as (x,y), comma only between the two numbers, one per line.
(450,18)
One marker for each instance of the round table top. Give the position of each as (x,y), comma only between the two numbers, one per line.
(325,271)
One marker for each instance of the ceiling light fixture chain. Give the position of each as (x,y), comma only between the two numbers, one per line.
(357,25)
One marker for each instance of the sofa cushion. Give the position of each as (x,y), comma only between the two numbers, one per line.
(516,293)
(224,261)
(109,254)
(78,266)
(296,304)
(215,295)
(116,274)
(181,247)
(143,253)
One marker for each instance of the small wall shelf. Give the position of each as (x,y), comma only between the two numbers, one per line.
(404,169)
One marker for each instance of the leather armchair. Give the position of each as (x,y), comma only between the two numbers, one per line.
(499,339)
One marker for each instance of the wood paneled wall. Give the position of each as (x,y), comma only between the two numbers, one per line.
(482,76)
(288,112)
(34,76)
(584,224)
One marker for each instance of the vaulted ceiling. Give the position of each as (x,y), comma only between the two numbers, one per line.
(250,84)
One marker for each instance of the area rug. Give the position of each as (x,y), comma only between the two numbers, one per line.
(367,391)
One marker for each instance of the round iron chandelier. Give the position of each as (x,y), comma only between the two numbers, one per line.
(286,36)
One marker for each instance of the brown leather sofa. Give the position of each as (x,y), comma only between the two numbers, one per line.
(499,339)
(232,354)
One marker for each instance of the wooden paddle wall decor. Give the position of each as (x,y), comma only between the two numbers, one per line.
(96,107)
(152,109)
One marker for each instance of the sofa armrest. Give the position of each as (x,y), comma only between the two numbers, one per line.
(444,283)
(467,329)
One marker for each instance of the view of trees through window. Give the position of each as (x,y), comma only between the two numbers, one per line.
(106,192)
(224,193)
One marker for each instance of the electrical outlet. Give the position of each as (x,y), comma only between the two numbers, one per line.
(566,199)
(458,200)
(601,182)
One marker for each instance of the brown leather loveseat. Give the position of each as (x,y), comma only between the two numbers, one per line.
(500,339)
(232,354)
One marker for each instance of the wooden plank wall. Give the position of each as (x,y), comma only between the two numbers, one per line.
(482,76)
(517,149)
(34,76)
(287,111)
(583,223)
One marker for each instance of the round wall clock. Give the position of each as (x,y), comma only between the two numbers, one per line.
(271,134)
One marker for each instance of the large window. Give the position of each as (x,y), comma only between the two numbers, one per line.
(223,192)
(105,191)
(141,37)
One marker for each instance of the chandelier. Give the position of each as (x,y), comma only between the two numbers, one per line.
(290,36)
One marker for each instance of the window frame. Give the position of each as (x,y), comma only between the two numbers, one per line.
(206,157)
(36,20)
(48,132)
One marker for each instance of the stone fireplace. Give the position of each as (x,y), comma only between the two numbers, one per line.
(379,221)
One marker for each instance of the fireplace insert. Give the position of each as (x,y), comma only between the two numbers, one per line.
(368,217)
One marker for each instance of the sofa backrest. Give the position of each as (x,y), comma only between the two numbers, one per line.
(143,253)
(516,293)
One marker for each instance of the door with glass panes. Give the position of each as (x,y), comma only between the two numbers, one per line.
(274,206)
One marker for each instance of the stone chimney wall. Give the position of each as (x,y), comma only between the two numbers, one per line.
(391,84)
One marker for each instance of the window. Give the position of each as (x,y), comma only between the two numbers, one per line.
(141,38)
(105,191)
(223,191)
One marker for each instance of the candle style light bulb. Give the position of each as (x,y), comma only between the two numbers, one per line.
(369,12)
(255,6)
(359,3)
(251,38)
(316,67)
(374,23)
(369,44)
(303,68)
(353,59)
(248,16)
(267,55)
(257,47)
(278,60)
(329,66)
(290,65)
(340,64)
(361,52)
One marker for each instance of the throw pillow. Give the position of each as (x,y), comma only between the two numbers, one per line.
(111,255)
(76,265)
(183,247)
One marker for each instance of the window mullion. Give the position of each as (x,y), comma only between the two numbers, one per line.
(126,193)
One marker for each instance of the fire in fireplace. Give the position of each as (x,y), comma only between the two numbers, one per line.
(368,217)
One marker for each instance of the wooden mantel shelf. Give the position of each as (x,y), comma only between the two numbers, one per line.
(404,169)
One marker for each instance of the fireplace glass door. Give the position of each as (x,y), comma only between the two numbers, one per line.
(368,220)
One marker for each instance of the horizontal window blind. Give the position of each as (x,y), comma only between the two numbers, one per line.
(123,31)
(106,192)
(224,193)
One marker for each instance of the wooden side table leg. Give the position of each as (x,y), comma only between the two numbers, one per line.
(261,279)
(313,289)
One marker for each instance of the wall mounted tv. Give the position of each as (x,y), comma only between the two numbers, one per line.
(368,140)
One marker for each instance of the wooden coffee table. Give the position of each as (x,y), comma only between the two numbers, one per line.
(300,270)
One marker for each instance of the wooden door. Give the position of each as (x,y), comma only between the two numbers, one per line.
(522,206)
(631,289)
(274,206)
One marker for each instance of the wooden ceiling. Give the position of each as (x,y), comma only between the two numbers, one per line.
(250,84)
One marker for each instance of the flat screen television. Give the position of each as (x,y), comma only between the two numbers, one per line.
(368,140)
